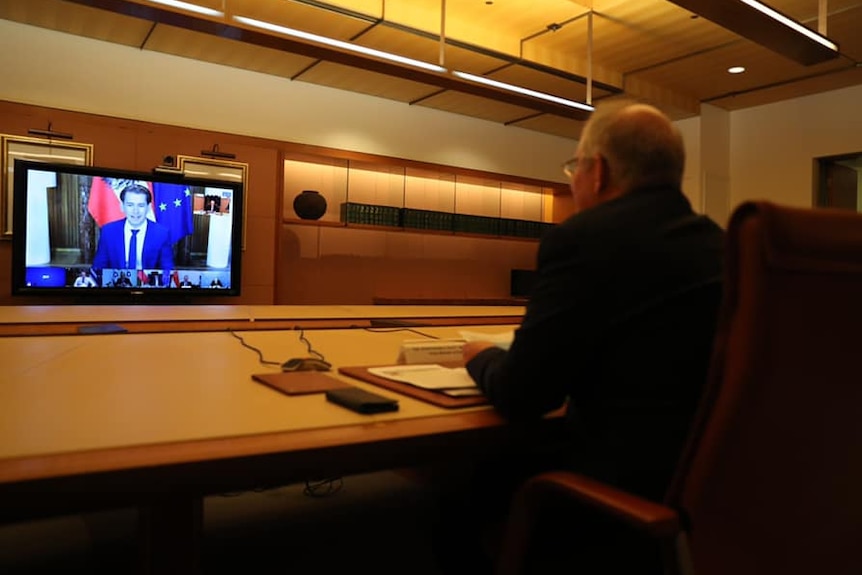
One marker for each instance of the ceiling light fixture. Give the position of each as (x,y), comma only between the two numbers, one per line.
(283,30)
(766,26)
(792,24)
(736,69)
(190,7)
(525,91)
(338,44)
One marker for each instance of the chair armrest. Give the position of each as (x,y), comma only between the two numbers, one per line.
(551,488)
(655,519)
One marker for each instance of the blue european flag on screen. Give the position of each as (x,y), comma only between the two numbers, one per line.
(173,208)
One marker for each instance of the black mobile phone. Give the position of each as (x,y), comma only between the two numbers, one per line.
(361,401)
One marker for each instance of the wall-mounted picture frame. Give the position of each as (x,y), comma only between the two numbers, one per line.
(214,169)
(35,149)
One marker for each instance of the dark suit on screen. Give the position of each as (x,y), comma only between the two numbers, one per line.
(157,251)
(621,322)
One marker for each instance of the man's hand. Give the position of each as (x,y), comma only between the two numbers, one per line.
(472,348)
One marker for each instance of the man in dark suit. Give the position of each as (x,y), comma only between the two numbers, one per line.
(621,319)
(134,242)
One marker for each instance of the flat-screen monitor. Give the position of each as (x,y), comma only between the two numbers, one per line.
(104,235)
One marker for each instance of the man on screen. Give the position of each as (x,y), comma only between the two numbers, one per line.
(84,279)
(134,242)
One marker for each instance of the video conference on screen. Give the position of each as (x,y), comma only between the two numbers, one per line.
(75,230)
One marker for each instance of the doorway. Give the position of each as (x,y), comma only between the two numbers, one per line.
(839,182)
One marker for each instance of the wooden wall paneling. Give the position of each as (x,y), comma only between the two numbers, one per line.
(321,263)
(259,260)
(376,184)
(563,206)
(297,258)
(355,264)
(477,196)
(521,202)
(326,265)
(5,272)
(135,145)
(429,190)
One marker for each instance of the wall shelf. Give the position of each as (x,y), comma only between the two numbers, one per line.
(385,185)
(349,261)
(394,229)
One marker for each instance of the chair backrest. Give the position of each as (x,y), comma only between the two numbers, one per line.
(771,481)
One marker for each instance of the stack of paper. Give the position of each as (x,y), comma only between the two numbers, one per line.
(427,376)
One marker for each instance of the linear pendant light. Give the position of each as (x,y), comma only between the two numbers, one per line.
(338,44)
(503,85)
(792,24)
(525,91)
(407,61)
(189,7)
(766,26)
(379,54)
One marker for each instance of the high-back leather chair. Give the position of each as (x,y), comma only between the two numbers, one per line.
(771,479)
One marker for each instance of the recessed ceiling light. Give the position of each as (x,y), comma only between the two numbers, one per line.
(736,69)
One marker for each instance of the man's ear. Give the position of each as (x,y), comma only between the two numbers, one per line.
(603,174)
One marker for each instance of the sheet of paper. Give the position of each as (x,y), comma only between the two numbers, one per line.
(427,376)
(502,339)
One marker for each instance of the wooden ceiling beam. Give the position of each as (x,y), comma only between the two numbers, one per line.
(754,25)
(222,29)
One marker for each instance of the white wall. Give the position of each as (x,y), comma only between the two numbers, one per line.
(773,147)
(57,70)
(691,179)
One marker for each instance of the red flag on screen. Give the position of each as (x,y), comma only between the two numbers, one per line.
(104,203)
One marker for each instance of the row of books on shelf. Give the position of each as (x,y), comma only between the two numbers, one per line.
(411,218)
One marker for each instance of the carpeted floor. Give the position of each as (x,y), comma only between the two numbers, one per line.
(379,522)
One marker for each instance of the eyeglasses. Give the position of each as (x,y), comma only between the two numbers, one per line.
(570,165)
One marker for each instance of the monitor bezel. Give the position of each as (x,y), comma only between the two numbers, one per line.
(120,295)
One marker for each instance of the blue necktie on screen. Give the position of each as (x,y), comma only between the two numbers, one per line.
(133,251)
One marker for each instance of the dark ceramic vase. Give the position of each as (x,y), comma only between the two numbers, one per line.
(309,205)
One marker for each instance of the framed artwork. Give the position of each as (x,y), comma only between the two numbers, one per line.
(36,149)
(223,170)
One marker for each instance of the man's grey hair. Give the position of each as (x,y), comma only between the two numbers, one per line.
(640,144)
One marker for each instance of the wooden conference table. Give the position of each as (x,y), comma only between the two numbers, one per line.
(159,420)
